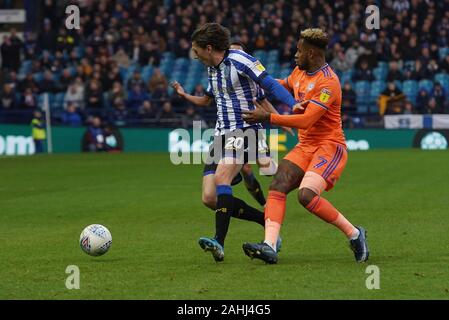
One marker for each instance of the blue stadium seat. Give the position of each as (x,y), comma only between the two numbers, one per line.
(362,91)
(380,73)
(38,77)
(410,89)
(398,84)
(426,85)
(443,52)
(347,77)
(409,65)
(443,79)
(260,55)
(376,89)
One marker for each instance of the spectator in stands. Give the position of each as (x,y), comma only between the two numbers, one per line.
(94,96)
(392,100)
(364,73)
(190,116)
(29,100)
(394,73)
(339,63)
(421,71)
(167,116)
(64,81)
(121,58)
(147,111)
(445,64)
(8,97)
(408,108)
(150,55)
(348,99)
(136,97)
(136,80)
(71,117)
(120,113)
(28,83)
(75,96)
(47,84)
(439,94)
(117,91)
(93,138)
(422,100)
(432,107)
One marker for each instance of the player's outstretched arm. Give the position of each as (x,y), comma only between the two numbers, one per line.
(265,104)
(298,121)
(199,101)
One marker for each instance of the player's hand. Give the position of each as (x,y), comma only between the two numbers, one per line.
(256,116)
(300,107)
(178,88)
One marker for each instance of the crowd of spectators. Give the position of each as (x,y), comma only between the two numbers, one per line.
(83,69)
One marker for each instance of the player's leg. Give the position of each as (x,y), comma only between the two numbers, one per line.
(287,178)
(252,185)
(325,169)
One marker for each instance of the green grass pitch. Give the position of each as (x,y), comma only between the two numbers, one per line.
(155,215)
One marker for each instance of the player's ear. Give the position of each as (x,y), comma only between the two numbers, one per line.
(209,48)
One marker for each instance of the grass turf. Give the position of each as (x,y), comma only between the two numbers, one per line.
(154,212)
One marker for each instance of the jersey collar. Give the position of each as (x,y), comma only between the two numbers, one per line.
(314,72)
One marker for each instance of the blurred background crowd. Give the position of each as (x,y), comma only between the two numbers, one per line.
(118,66)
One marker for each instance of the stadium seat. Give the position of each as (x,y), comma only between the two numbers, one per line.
(426,85)
(410,89)
(443,52)
(260,55)
(362,90)
(347,77)
(380,73)
(376,89)
(443,79)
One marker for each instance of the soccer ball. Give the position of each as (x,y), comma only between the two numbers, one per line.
(95,240)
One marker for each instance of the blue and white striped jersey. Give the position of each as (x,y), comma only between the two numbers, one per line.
(234,84)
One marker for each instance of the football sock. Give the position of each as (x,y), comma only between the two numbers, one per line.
(223,213)
(245,212)
(254,189)
(274,216)
(326,211)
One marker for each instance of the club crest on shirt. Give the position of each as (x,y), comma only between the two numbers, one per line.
(325,94)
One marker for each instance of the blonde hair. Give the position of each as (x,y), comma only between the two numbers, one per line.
(315,37)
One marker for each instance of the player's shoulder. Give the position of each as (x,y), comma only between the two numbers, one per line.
(327,77)
(240,56)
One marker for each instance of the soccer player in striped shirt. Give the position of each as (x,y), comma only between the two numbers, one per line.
(317,162)
(234,77)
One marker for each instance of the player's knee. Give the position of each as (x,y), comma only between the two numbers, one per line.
(209,200)
(278,184)
(305,196)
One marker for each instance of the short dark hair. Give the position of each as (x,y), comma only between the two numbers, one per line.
(213,34)
(315,37)
(236,41)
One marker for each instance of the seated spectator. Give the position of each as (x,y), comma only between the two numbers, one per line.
(157,80)
(75,96)
(136,80)
(445,65)
(394,73)
(150,55)
(167,116)
(8,97)
(432,107)
(29,100)
(120,113)
(392,100)
(408,108)
(364,73)
(421,100)
(121,58)
(136,97)
(71,117)
(117,91)
(147,111)
(439,94)
(421,71)
(47,84)
(64,81)
(93,138)
(190,116)
(339,63)
(348,99)
(94,96)
(30,83)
